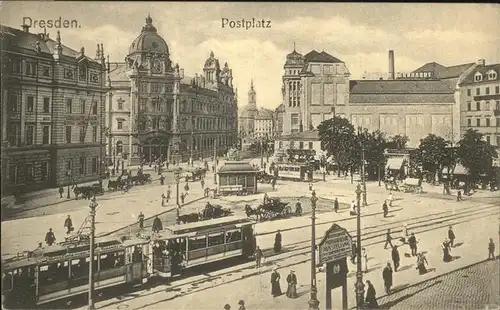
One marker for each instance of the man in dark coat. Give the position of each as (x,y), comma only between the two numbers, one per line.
(61,192)
(451,236)
(141,220)
(336,205)
(298,208)
(277,242)
(354,252)
(157,225)
(291,279)
(385,209)
(50,238)
(491,249)
(388,238)
(258,257)
(275,283)
(371,296)
(387,276)
(395,257)
(412,241)
(68,224)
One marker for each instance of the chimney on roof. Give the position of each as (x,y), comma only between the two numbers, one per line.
(26,28)
(481,62)
(391,65)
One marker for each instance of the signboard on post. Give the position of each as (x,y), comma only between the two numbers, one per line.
(335,245)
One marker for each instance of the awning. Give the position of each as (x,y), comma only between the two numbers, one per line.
(394,163)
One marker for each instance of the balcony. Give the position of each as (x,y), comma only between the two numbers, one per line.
(487,97)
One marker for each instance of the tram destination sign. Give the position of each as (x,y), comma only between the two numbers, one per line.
(335,245)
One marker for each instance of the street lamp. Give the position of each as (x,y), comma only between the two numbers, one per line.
(68,174)
(363,175)
(313,302)
(360,287)
(93,205)
(261,153)
(177,176)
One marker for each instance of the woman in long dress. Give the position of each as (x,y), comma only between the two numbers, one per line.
(275,283)
(446,251)
(421,262)
(291,292)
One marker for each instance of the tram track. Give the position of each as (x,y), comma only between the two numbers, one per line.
(296,249)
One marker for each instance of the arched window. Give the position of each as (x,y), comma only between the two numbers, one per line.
(119,147)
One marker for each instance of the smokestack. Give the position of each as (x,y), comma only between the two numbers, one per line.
(391,65)
(481,62)
(26,28)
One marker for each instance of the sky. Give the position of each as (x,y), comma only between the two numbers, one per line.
(360,34)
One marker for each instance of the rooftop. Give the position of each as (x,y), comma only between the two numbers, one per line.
(314,56)
(310,135)
(483,70)
(236,167)
(442,72)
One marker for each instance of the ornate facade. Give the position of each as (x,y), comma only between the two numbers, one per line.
(52,112)
(154,111)
(254,122)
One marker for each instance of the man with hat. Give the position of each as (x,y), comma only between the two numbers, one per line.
(291,292)
(412,242)
(242,305)
(451,236)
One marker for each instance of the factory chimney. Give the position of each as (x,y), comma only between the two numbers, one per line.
(391,65)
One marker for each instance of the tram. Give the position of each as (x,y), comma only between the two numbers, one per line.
(59,271)
(183,246)
(296,172)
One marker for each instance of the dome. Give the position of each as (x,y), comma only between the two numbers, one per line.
(149,40)
(294,58)
(211,61)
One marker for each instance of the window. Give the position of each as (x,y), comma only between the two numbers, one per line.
(94,107)
(488,140)
(16,68)
(497,89)
(478,91)
(486,105)
(120,124)
(492,75)
(29,173)
(94,133)
(68,134)
(119,147)
(30,68)
(13,102)
(327,69)
(478,122)
(497,105)
(82,106)
(469,104)
(469,122)
(143,104)
(498,124)
(478,77)
(120,105)
(498,140)
(295,119)
(82,133)
(196,243)
(14,135)
(46,105)
(301,145)
(94,164)
(13,174)
(69,165)
(44,170)
(316,69)
(30,103)
(30,130)
(310,145)
(487,122)
(82,165)
(46,134)
(478,106)
(468,92)
(487,90)
(69,106)
(82,73)
(46,71)
(216,239)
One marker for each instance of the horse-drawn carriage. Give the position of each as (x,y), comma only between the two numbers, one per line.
(140,179)
(88,192)
(412,185)
(264,177)
(391,184)
(208,213)
(197,173)
(271,209)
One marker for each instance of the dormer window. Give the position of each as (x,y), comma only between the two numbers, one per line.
(478,77)
(492,75)
(82,73)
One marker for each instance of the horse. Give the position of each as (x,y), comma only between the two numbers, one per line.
(189,218)
(251,212)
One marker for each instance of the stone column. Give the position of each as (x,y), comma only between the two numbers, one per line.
(23,119)
(4,115)
(133,99)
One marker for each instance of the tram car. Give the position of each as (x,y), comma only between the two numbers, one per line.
(60,271)
(187,245)
(295,172)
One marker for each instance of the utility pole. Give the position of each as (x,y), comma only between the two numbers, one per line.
(93,205)
(363,175)
(360,286)
(215,161)
(69,174)
(261,153)
(313,301)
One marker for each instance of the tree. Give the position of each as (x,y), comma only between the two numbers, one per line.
(337,138)
(432,153)
(374,144)
(475,154)
(398,142)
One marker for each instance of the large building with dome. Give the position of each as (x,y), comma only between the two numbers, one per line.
(154,111)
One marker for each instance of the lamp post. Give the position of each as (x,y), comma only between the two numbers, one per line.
(360,287)
(363,174)
(261,153)
(68,174)
(191,150)
(177,176)
(313,302)
(93,205)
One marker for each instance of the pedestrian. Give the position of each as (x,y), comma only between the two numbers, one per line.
(336,205)
(365,257)
(421,262)
(140,218)
(167,164)
(157,225)
(353,208)
(395,257)
(445,246)
(50,238)
(227,307)
(265,199)
(183,196)
(277,242)
(162,179)
(390,198)
(354,252)
(404,233)
(242,305)
(412,242)
(275,283)
(205,192)
(451,236)
(68,224)
(387,276)
(385,209)
(298,208)
(169,193)
(61,192)
(371,296)
(186,187)
(491,249)
(163,200)
(388,239)
(310,186)
(273,183)
(202,182)
(291,291)
(459,196)
(258,257)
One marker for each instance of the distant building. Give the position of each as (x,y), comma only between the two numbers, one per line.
(278,120)
(154,111)
(247,115)
(479,100)
(52,112)
(306,140)
(264,124)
